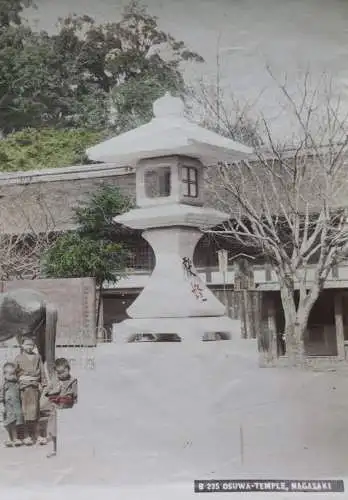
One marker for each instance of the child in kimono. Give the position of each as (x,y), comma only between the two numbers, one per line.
(11,401)
(62,395)
(31,376)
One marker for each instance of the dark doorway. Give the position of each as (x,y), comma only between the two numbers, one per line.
(115,305)
(320,339)
(321,333)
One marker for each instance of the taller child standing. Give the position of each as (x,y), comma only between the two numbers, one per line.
(31,376)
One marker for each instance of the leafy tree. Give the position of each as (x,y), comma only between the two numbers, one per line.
(75,256)
(39,86)
(138,70)
(92,250)
(95,216)
(132,101)
(11,10)
(71,78)
(112,53)
(32,149)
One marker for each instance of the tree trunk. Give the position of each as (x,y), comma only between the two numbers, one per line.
(267,338)
(296,323)
(295,326)
(294,340)
(100,288)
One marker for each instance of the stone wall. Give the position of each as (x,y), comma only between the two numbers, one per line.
(45,198)
(75,300)
(45,202)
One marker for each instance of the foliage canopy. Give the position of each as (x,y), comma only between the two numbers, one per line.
(91,250)
(32,149)
(75,77)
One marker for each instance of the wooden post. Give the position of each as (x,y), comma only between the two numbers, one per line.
(244,283)
(249,316)
(272,330)
(243,274)
(243,314)
(255,312)
(267,338)
(100,325)
(339,326)
(229,310)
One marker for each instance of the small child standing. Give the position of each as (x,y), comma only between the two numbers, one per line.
(62,395)
(31,376)
(10,398)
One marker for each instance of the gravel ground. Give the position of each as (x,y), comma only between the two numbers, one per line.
(166,414)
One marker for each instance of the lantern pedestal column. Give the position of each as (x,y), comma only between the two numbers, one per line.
(174,289)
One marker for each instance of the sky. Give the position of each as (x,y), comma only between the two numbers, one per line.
(291,36)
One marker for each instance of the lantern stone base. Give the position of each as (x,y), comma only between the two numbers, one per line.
(188,329)
(175,299)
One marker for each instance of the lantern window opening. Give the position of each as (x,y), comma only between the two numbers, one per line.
(158,182)
(190,181)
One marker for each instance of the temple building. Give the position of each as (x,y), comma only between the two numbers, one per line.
(45,199)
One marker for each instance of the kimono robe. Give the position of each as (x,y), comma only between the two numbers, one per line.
(10,398)
(31,375)
(61,395)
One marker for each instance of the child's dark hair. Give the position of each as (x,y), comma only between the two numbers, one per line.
(8,363)
(25,339)
(62,362)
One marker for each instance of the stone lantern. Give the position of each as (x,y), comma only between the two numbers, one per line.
(169,154)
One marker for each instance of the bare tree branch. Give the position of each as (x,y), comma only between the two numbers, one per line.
(289,203)
(21,251)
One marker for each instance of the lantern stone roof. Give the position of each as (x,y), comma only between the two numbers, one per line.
(172,215)
(168,133)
